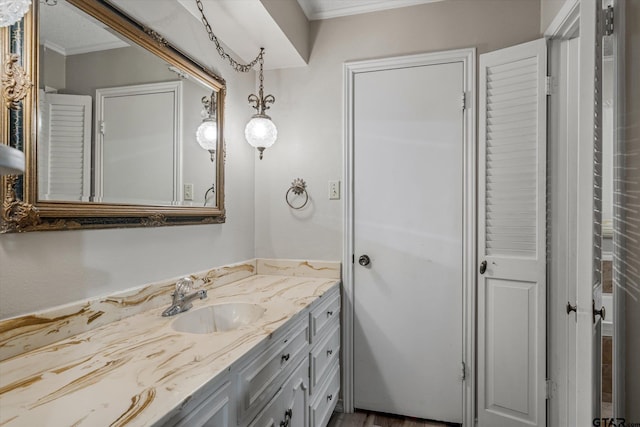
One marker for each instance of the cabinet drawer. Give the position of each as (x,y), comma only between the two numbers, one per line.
(326,350)
(326,398)
(262,377)
(290,403)
(212,411)
(323,314)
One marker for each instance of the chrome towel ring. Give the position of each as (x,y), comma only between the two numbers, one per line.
(298,187)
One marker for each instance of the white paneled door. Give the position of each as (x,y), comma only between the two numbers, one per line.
(408,225)
(139,125)
(512,237)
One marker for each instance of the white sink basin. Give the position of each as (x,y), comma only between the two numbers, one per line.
(218,318)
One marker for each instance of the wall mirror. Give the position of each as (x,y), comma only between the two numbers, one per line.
(106,111)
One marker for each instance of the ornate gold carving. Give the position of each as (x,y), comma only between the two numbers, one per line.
(154,220)
(27,212)
(220,219)
(156,37)
(15,82)
(16,214)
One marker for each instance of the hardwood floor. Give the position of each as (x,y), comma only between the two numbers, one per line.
(374,419)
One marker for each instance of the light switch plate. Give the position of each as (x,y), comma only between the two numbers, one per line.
(334,190)
(188,191)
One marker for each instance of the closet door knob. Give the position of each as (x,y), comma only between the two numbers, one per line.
(571,308)
(364,260)
(602,312)
(483,267)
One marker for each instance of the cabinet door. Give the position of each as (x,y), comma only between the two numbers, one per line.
(290,406)
(297,398)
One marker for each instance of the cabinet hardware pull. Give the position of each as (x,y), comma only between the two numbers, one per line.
(329,313)
(329,397)
(287,418)
(285,357)
(329,352)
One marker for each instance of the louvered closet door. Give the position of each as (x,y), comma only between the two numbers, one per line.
(65,147)
(511,227)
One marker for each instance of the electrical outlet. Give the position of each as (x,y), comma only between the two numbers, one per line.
(334,190)
(188,191)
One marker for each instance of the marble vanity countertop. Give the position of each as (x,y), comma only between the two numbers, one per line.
(136,370)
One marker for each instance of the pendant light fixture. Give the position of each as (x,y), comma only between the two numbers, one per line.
(11,11)
(207,133)
(260,132)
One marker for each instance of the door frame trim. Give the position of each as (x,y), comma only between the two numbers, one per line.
(350,69)
(564,27)
(584,221)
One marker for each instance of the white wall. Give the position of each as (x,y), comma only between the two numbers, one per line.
(309,107)
(45,269)
(548,11)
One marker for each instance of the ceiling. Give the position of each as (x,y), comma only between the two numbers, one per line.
(243,26)
(324,9)
(70,32)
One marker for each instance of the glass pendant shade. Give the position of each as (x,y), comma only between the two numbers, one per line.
(207,134)
(11,161)
(11,11)
(261,132)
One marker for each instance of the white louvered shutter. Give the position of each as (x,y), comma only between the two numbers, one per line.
(512,236)
(65,148)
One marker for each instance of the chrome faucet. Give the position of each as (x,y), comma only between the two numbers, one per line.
(181,297)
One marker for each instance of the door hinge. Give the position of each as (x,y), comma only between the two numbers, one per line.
(608,20)
(353,258)
(464,101)
(549,389)
(102,127)
(549,85)
(464,371)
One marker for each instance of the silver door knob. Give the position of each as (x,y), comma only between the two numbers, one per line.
(364,260)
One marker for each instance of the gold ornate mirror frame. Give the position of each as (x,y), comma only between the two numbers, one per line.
(21,209)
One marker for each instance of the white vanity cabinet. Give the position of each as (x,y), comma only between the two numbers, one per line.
(325,398)
(264,372)
(324,360)
(303,396)
(290,405)
(290,380)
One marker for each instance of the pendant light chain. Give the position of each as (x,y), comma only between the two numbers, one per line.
(261,77)
(260,132)
(241,68)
